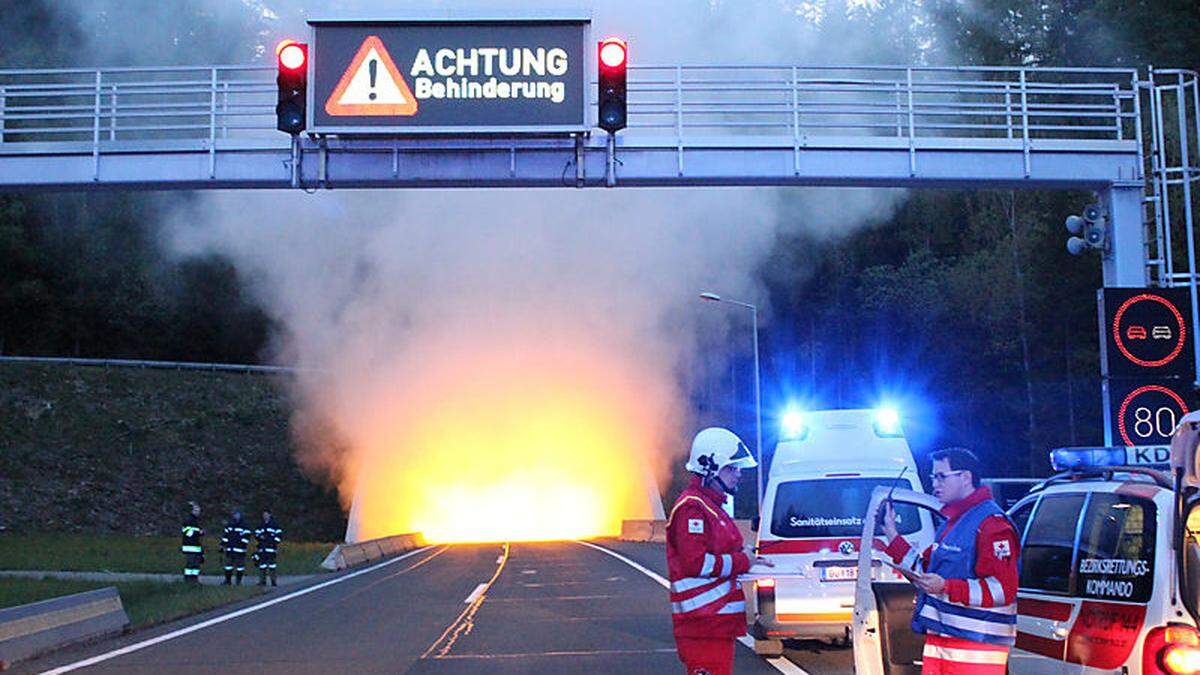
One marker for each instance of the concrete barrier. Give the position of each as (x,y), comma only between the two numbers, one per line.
(656,530)
(748,535)
(350,555)
(29,630)
(636,530)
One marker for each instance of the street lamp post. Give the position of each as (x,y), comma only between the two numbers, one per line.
(713,297)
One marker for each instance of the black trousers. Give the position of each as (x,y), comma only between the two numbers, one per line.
(235,562)
(267,565)
(191,566)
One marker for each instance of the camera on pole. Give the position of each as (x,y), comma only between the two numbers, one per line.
(1090,230)
(292,58)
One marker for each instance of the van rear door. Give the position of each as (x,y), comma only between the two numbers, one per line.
(883,639)
(825,514)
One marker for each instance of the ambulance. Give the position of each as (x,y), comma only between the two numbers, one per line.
(1110,568)
(825,467)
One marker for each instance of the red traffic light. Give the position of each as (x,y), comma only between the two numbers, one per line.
(292,55)
(613,52)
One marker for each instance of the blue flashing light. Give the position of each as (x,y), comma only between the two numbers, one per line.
(793,426)
(887,422)
(1065,459)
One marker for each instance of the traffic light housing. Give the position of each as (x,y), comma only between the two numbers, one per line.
(1090,230)
(290,112)
(612,58)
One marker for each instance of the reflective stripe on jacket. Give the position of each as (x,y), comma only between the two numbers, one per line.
(269,535)
(953,557)
(704,557)
(235,537)
(192,533)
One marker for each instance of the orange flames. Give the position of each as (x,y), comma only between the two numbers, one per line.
(510,445)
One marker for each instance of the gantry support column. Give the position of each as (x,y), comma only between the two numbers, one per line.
(1125,257)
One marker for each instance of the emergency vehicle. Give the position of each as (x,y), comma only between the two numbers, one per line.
(1110,568)
(824,469)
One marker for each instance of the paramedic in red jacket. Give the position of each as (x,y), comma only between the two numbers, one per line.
(705,554)
(967,589)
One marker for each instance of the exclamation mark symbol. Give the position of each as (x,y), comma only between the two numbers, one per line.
(372,69)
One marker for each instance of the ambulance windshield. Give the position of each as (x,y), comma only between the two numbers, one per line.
(833,507)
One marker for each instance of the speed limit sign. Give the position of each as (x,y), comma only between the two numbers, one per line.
(1146,413)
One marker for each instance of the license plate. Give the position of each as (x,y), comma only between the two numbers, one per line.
(839,573)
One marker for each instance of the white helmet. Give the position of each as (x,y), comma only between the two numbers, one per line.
(714,449)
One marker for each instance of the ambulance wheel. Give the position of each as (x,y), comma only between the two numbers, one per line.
(768,648)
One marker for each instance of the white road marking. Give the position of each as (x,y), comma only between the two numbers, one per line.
(526,655)
(547,584)
(558,598)
(138,646)
(476,593)
(779,663)
(466,620)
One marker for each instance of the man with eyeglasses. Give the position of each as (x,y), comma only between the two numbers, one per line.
(967,580)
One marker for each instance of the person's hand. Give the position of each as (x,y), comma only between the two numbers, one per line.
(889,521)
(933,584)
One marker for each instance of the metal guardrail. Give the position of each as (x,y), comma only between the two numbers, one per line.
(167,365)
(29,630)
(119,108)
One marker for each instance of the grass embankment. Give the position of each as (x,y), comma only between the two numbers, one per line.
(146,602)
(123,450)
(123,553)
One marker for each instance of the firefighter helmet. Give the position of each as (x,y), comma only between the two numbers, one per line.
(715,448)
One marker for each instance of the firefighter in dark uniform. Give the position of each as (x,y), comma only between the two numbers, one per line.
(193,545)
(235,539)
(268,535)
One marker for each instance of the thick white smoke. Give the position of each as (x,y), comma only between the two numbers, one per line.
(386,297)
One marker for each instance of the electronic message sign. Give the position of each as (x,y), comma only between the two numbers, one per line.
(1146,332)
(451,76)
(1147,362)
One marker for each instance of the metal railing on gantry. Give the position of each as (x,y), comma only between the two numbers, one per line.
(1174,185)
(689,125)
(109,107)
(136,104)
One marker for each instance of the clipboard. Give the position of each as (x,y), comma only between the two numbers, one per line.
(776,573)
(912,575)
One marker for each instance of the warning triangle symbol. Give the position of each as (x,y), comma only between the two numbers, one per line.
(371,85)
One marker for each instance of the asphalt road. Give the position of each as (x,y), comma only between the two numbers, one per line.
(520,608)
